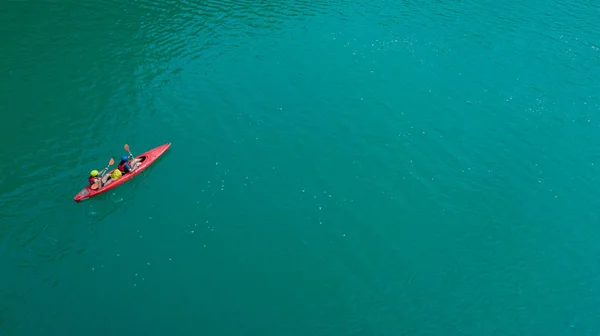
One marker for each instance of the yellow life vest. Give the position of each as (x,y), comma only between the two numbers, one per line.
(116,174)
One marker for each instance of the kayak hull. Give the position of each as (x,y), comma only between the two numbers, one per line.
(147,159)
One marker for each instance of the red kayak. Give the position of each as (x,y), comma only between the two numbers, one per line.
(146,160)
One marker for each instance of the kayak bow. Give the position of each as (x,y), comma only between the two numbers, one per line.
(146,159)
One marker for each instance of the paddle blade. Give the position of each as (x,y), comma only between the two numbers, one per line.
(95,186)
(111,162)
(126,147)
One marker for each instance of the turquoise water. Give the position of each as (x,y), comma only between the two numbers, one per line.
(352,168)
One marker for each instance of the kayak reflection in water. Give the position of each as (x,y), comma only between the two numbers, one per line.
(125,166)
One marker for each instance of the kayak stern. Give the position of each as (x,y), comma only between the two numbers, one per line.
(82,195)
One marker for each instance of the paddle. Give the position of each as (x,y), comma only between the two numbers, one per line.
(110,163)
(128,151)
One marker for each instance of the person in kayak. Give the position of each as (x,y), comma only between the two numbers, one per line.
(124,165)
(96,178)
